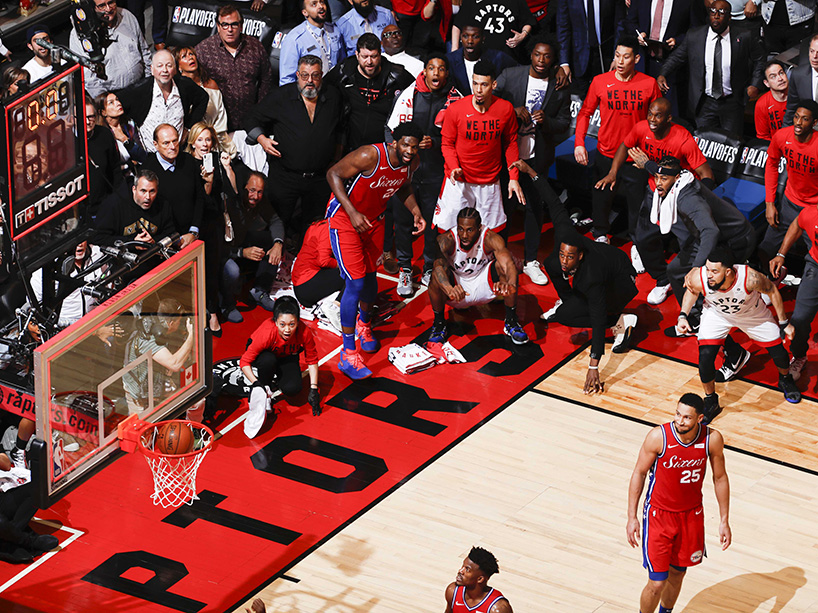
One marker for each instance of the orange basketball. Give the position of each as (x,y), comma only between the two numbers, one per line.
(174,438)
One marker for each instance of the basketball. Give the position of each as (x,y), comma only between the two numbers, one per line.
(174,438)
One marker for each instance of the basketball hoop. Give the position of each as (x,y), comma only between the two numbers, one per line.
(174,476)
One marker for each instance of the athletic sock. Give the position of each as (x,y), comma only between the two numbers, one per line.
(364,316)
(440,319)
(664,610)
(511,314)
(20,443)
(349,341)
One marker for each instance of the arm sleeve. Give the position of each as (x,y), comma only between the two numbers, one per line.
(512,149)
(198,103)
(310,353)
(709,234)
(757,58)
(276,228)
(559,214)
(676,58)
(448,138)
(288,60)
(793,98)
(564,32)
(197,220)
(259,341)
(145,53)
(597,302)
(761,122)
(257,119)
(692,154)
(771,169)
(631,138)
(589,105)
(265,76)
(560,122)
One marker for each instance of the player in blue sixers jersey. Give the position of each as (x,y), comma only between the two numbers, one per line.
(362,184)
(675,457)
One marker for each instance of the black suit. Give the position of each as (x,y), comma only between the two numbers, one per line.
(800,89)
(457,66)
(639,18)
(183,188)
(136,100)
(747,68)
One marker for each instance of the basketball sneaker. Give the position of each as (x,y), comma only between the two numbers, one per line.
(426,278)
(603,239)
(549,314)
(636,260)
(712,409)
(622,332)
(796,366)
(332,311)
(788,387)
(405,288)
(352,365)
(516,332)
(363,333)
(18,457)
(729,369)
(534,272)
(438,333)
(659,294)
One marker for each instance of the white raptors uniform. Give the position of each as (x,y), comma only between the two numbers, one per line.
(735,307)
(472,271)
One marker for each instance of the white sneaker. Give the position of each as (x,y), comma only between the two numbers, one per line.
(535,273)
(659,294)
(332,311)
(636,260)
(426,278)
(405,288)
(552,311)
(603,239)
(796,366)
(622,331)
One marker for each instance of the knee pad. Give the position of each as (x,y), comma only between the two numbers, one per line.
(707,362)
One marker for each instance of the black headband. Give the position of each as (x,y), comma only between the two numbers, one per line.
(664,170)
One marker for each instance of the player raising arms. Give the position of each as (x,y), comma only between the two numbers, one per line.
(362,183)
(675,456)
(470,591)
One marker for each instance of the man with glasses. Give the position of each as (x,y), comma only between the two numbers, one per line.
(394,48)
(316,35)
(304,143)
(238,63)
(725,68)
(127,59)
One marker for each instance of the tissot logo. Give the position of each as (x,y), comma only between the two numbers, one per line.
(721,152)
(42,206)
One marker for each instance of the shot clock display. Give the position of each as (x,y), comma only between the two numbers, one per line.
(46,151)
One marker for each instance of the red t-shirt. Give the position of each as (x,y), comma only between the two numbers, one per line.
(677,475)
(266,337)
(678,142)
(769,113)
(476,141)
(622,104)
(538,8)
(802,165)
(808,221)
(315,253)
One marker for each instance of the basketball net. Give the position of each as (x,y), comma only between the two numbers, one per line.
(174,476)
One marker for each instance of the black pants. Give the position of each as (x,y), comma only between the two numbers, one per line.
(235,269)
(426,194)
(281,371)
(325,282)
(287,187)
(806,306)
(16,510)
(778,38)
(574,311)
(787,213)
(631,179)
(726,113)
(160,17)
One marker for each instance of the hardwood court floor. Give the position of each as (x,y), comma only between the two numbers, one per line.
(544,486)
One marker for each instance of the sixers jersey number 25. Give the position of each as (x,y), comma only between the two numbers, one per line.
(677,475)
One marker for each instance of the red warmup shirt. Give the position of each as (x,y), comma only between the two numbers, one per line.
(802,165)
(808,222)
(769,113)
(622,104)
(677,475)
(678,142)
(476,141)
(315,253)
(266,337)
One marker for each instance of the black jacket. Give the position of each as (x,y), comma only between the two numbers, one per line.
(104,166)
(120,218)
(512,84)
(365,119)
(136,100)
(182,188)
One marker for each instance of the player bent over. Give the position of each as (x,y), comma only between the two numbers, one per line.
(362,184)
(470,590)
(732,299)
(674,457)
(474,266)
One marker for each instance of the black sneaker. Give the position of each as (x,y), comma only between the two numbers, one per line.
(438,333)
(39,543)
(729,370)
(17,555)
(673,332)
(787,385)
(711,408)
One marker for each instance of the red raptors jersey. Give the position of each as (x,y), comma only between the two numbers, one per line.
(459,601)
(370,193)
(808,221)
(677,475)
(802,166)
(678,142)
(769,115)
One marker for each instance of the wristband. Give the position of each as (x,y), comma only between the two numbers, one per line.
(783,323)
(593,368)
(682,315)
(780,255)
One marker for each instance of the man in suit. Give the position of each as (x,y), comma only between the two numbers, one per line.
(718,75)
(472,49)
(803,82)
(163,98)
(587,45)
(544,116)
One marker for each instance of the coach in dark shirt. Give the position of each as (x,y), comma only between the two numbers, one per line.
(179,182)
(304,118)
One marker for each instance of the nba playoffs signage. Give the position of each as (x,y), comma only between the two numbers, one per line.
(195,21)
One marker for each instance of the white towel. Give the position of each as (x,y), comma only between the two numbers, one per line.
(411,358)
(663,211)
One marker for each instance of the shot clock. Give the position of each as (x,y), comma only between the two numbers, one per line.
(46,153)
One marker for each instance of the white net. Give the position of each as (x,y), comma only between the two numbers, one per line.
(174,476)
